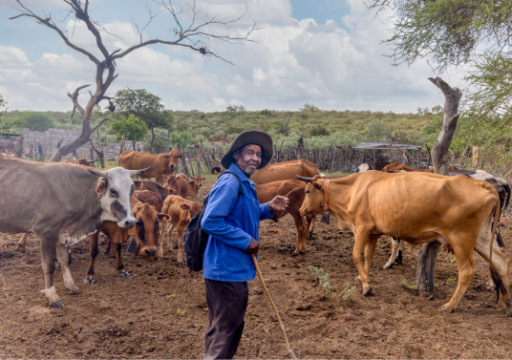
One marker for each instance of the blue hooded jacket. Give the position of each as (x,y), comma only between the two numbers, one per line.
(231,219)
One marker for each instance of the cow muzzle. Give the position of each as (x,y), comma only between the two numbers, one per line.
(150,252)
(127,222)
(172,166)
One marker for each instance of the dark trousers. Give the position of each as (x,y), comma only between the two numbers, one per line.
(227,303)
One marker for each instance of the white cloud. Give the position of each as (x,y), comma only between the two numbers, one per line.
(292,63)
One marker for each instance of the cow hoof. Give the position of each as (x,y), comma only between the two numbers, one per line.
(385,267)
(444,309)
(20,248)
(124,274)
(88,281)
(366,290)
(57,265)
(357,279)
(57,304)
(75,292)
(294,254)
(73,260)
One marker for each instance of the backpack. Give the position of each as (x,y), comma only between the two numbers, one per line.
(195,239)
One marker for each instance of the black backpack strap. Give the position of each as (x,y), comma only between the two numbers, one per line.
(240,189)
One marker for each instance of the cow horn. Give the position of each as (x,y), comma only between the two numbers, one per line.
(98,173)
(321,174)
(308,179)
(137,172)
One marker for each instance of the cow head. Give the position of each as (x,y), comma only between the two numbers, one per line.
(363,167)
(172,158)
(192,209)
(196,183)
(115,188)
(171,182)
(147,231)
(315,198)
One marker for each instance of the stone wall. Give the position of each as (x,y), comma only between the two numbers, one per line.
(46,143)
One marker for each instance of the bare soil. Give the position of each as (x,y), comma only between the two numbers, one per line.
(160,310)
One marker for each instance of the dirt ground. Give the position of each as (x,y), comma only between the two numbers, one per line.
(160,310)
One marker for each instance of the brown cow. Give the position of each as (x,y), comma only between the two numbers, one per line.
(184,186)
(149,197)
(373,203)
(294,191)
(286,170)
(81,161)
(162,165)
(155,187)
(180,211)
(146,233)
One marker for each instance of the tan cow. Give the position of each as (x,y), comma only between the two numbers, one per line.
(180,211)
(184,186)
(146,233)
(458,211)
(294,191)
(162,165)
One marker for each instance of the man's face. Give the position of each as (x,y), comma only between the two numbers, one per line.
(248,158)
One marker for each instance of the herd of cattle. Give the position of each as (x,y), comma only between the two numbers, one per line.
(70,202)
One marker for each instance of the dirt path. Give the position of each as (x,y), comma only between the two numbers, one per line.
(161,312)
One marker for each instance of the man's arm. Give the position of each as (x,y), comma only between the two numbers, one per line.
(279,203)
(221,203)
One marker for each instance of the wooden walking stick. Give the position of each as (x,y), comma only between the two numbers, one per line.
(288,348)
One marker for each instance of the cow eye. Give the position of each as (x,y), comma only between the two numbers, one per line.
(113,192)
(307,191)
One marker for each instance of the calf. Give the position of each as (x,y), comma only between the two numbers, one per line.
(149,197)
(146,233)
(179,184)
(294,191)
(180,211)
(155,187)
(193,185)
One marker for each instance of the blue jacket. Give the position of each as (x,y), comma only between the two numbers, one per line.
(231,219)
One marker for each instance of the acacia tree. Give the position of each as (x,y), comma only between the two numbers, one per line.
(147,107)
(190,37)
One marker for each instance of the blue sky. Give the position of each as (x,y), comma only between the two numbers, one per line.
(324,52)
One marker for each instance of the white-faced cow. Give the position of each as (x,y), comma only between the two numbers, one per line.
(458,211)
(162,165)
(64,205)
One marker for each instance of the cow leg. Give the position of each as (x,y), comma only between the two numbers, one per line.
(22,243)
(368,255)
(64,260)
(463,250)
(301,233)
(181,251)
(361,238)
(119,262)
(163,243)
(170,229)
(48,255)
(395,253)
(89,279)
(501,264)
(310,221)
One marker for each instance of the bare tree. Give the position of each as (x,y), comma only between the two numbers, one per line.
(190,36)
(428,253)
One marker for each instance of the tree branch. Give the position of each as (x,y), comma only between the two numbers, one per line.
(74,98)
(101,123)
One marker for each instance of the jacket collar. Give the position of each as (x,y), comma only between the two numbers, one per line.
(235,169)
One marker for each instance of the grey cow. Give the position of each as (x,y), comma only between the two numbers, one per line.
(64,204)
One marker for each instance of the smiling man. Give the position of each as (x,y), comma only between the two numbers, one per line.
(232,218)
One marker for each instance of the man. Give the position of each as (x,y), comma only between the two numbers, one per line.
(232,221)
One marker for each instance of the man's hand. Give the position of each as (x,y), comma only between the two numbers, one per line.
(253,247)
(279,203)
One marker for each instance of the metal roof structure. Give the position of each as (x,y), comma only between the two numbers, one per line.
(386,146)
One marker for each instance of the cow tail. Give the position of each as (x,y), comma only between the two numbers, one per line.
(499,286)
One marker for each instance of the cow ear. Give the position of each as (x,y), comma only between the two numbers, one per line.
(317,185)
(138,184)
(215,170)
(163,218)
(102,185)
(185,206)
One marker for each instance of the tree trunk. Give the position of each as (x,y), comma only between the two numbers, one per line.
(123,144)
(75,144)
(152,139)
(428,253)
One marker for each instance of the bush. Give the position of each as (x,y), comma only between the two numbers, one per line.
(184,138)
(34,121)
(376,131)
(161,143)
(318,130)
(132,127)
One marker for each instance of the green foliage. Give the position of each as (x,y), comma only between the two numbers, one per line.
(161,143)
(408,285)
(376,131)
(265,112)
(452,258)
(451,281)
(132,127)
(146,106)
(309,108)
(181,312)
(184,138)
(324,281)
(34,121)
(318,130)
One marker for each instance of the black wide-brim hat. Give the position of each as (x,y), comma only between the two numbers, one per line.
(251,137)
